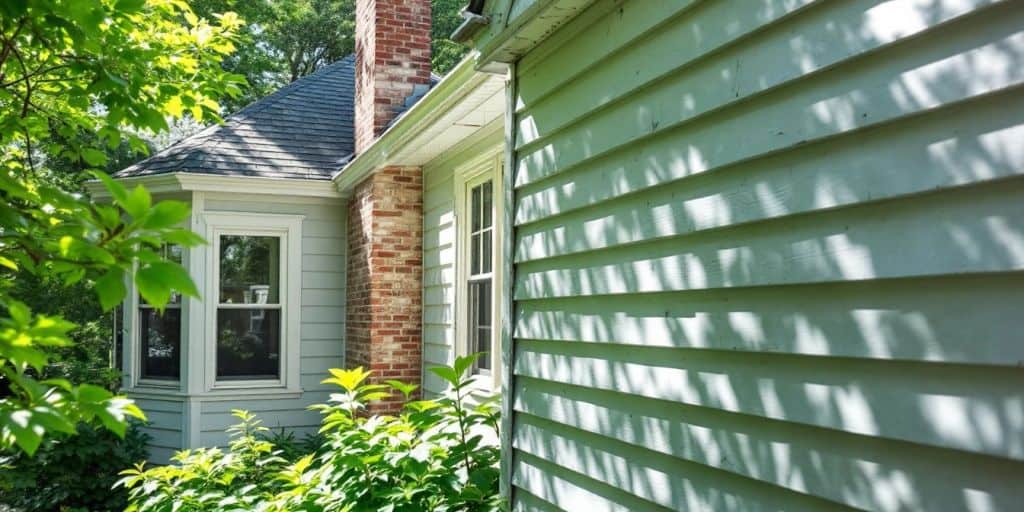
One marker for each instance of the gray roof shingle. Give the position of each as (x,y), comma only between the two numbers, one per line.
(304,130)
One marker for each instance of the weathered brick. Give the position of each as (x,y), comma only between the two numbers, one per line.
(384,313)
(392,55)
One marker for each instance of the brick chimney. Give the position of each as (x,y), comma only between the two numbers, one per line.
(392,58)
(383,330)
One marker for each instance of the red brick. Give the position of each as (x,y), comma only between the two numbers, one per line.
(384,316)
(392,55)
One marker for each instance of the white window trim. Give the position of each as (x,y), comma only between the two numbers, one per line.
(289,229)
(464,181)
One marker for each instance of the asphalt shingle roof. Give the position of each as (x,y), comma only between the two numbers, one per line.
(304,130)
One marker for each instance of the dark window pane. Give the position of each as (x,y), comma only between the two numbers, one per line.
(119,337)
(160,337)
(484,299)
(474,249)
(475,209)
(248,344)
(480,320)
(488,209)
(172,253)
(249,269)
(485,251)
(484,346)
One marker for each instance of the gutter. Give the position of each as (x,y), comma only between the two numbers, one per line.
(471,23)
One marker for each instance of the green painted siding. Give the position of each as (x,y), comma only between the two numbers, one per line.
(439,246)
(769,257)
(438,272)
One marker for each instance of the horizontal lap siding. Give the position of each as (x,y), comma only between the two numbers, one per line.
(438,273)
(441,176)
(322,319)
(769,258)
(164,421)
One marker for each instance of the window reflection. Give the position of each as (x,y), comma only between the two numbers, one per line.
(249,309)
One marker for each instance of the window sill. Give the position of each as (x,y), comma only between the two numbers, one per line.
(481,388)
(274,393)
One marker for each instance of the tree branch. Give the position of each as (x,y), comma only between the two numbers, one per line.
(9,44)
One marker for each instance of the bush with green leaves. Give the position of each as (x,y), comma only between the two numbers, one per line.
(438,455)
(71,473)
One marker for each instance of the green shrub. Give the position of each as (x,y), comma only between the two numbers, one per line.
(292,448)
(437,455)
(71,473)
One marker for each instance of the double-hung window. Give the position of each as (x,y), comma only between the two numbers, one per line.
(479,281)
(253,282)
(159,334)
(248,320)
(478,264)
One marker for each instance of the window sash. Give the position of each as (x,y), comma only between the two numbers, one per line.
(142,343)
(481,229)
(145,345)
(275,343)
(479,282)
(481,322)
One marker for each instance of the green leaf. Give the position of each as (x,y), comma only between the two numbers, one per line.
(347,379)
(111,289)
(138,202)
(405,389)
(184,238)
(94,157)
(155,282)
(117,190)
(19,312)
(5,262)
(447,373)
(166,214)
(129,6)
(19,425)
(463,363)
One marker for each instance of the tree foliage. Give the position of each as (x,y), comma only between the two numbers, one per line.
(106,68)
(284,40)
(445,53)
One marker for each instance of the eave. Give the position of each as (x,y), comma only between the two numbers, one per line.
(514,30)
(195,182)
(463,102)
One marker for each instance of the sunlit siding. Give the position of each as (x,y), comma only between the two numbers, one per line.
(323,318)
(768,256)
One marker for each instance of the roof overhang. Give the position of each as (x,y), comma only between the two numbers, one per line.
(465,101)
(517,26)
(188,182)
